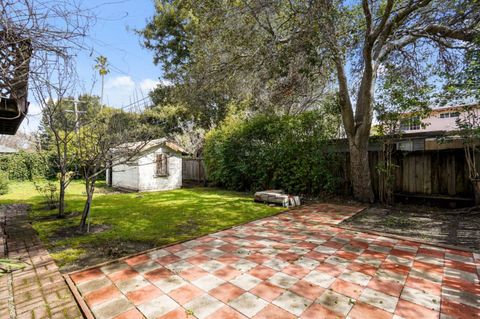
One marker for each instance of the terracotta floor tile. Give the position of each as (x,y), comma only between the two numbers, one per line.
(158,274)
(460,265)
(144,294)
(457,310)
(460,285)
(365,311)
(123,274)
(363,268)
(430,252)
(175,248)
(86,275)
(262,272)
(228,259)
(332,270)
(296,271)
(267,291)
(185,294)
(131,314)
(193,273)
(425,267)
(410,310)
(273,312)
(387,287)
(307,290)
(198,259)
(317,311)
(226,292)
(316,255)
(258,258)
(178,313)
(401,269)
(226,313)
(346,255)
(226,273)
(167,260)
(347,288)
(424,285)
(101,295)
(137,260)
(402,253)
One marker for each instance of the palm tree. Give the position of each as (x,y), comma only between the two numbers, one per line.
(102,67)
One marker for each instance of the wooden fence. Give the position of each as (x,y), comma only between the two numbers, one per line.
(441,173)
(193,170)
(428,169)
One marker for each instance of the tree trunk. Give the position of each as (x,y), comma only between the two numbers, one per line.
(476,190)
(90,188)
(61,199)
(360,171)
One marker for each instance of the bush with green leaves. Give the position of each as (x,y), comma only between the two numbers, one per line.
(25,166)
(271,152)
(50,192)
(4,181)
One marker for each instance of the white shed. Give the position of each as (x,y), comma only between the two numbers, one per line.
(158,167)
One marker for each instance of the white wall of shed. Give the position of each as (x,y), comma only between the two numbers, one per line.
(149,181)
(126,176)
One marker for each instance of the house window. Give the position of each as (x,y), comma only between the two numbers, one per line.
(447,115)
(162,165)
(410,124)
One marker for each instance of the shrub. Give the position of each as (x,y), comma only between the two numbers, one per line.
(265,152)
(4,181)
(49,191)
(25,166)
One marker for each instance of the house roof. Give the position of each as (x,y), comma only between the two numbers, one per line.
(146,145)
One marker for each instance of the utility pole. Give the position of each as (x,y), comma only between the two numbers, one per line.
(76,112)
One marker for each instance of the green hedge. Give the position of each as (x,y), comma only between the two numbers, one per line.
(25,166)
(267,152)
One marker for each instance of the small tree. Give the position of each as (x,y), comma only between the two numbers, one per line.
(463,86)
(469,125)
(112,137)
(59,121)
(401,102)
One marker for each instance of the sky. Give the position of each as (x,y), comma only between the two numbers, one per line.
(132,72)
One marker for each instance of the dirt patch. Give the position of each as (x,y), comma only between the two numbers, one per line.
(96,254)
(434,225)
(74,231)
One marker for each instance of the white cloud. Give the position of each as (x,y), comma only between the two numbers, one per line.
(148,85)
(120,82)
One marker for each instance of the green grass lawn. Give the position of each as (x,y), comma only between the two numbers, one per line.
(127,223)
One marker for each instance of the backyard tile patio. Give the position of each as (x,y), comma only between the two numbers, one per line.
(298,264)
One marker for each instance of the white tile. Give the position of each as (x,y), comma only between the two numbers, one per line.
(208,282)
(292,303)
(203,306)
(282,280)
(157,307)
(245,281)
(248,304)
(320,279)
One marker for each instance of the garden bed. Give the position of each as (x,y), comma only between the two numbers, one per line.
(434,225)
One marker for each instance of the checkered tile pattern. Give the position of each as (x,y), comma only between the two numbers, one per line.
(297,264)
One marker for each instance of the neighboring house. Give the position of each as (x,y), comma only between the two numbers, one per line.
(440,119)
(15,143)
(157,167)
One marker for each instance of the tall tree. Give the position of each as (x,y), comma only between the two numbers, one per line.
(292,51)
(103,69)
